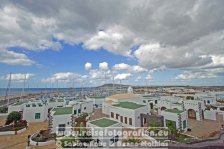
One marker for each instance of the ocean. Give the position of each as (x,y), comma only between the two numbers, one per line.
(17,91)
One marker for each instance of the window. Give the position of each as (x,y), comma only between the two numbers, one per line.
(84,108)
(125,120)
(184,124)
(155,101)
(114,139)
(144,101)
(112,114)
(61,127)
(75,112)
(121,117)
(79,110)
(37,115)
(130,121)
(117,115)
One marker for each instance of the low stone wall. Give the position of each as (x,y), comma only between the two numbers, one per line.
(12,132)
(34,143)
(4,114)
(209,139)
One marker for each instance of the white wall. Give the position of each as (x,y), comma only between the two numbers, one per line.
(87,107)
(210,115)
(29,113)
(17,108)
(106,138)
(134,114)
(61,119)
(174,117)
(56,104)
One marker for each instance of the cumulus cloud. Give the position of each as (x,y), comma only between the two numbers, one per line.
(121,66)
(13,58)
(62,76)
(148,77)
(171,34)
(200,74)
(88,66)
(19,76)
(100,74)
(122,76)
(103,66)
(129,68)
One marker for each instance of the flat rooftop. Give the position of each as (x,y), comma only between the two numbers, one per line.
(63,111)
(103,122)
(174,111)
(128,105)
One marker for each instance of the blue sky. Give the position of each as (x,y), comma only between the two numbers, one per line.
(148,42)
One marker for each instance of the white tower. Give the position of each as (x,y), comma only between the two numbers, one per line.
(130,90)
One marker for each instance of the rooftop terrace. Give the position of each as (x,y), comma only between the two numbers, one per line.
(63,111)
(128,105)
(103,122)
(174,111)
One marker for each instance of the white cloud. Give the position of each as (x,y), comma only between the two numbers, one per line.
(129,68)
(88,66)
(122,76)
(148,77)
(172,34)
(116,40)
(100,74)
(13,58)
(19,76)
(62,76)
(138,79)
(200,74)
(103,66)
(121,66)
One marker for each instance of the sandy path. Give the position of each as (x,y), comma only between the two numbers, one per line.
(19,141)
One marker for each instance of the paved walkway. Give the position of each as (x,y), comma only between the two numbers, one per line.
(19,141)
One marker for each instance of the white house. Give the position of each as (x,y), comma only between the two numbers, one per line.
(195,108)
(16,107)
(121,98)
(56,102)
(61,120)
(35,111)
(106,131)
(97,100)
(176,118)
(83,106)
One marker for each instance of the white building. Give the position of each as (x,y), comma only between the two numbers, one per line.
(97,100)
(65,117)
(56,102)
(16,107)
(83,106)
(125,108)
(130,90)
(111,131)
(61,119)
(176,118)
(35,111)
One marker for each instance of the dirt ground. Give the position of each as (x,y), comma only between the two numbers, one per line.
(204,129)
(19,141)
